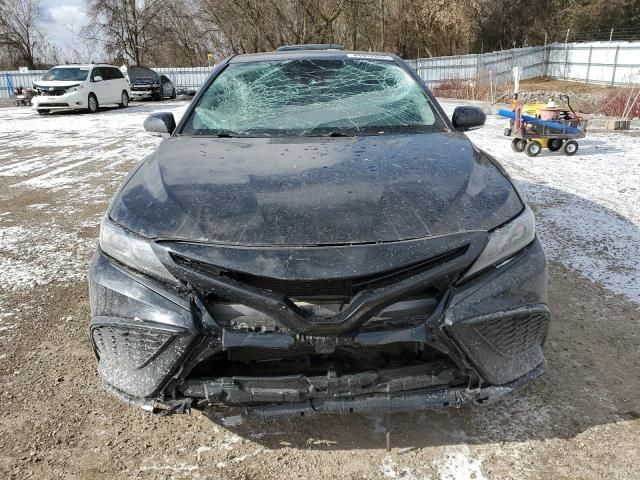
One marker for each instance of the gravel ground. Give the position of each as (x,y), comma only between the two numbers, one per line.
(580,420)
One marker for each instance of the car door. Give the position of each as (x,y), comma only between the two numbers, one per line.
(115,83)
(163,82)
(99,87)
(167,87)
(119,84)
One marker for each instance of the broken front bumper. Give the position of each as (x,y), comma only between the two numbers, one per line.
(488,332)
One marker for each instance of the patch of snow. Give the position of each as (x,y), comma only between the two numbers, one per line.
(36,255)
(391,471)
(457,464)
(232,421)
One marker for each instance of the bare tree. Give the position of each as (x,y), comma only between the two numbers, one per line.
(181,32)
(125,27)
(20,30)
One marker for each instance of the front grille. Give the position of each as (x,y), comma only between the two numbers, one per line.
(513,335)
(56,92)
(325,306)
(321,290)
(131,345)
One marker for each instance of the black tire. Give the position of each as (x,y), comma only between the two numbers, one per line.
(507,132)
(533,148)
(124,100)
(92,103)
(43,111)
(174,94)
(554,144)
(157,96)
(570,147)
(518,145)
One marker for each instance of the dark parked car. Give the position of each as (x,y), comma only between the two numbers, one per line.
(315,235)
(147,84)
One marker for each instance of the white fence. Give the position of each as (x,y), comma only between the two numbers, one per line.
(611,63)
(616,63)
(476,67)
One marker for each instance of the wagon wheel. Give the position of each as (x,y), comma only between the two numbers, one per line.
(554,144)
(518,144)
(570,147)
(533,148)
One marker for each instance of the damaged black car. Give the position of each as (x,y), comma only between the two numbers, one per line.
(316,236)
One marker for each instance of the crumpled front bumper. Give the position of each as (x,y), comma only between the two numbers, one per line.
(148,337)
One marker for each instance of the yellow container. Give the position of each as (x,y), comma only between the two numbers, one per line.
(533,109)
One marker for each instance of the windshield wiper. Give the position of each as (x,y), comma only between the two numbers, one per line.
(218,133)
(326,132)
(336,134)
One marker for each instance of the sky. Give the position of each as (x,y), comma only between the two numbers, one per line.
(62,21)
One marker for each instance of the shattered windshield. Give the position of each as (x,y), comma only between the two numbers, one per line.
(313,98)
(67,74)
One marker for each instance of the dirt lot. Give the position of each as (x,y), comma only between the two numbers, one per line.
(580,420)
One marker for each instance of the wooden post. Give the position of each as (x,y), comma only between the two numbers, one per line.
(586,80)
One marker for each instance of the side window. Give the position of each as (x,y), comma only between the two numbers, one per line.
(97,72)
(116,73)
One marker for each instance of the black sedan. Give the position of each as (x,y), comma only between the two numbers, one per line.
(147,84)
(316,236)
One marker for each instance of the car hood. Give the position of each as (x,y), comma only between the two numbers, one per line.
(57,83)
(142,75)
(315,191)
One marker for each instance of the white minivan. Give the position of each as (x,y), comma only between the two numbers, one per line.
(81,87)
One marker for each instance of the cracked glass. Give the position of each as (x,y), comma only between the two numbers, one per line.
(313,98)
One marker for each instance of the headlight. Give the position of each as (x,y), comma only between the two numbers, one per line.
(132,250)
(75,88)
(505,241)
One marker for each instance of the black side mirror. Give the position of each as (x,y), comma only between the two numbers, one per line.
(161,124)
(468,118)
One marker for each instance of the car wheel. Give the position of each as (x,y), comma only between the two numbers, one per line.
(533,148)
(570,147)
(43,111)
(554,144)
(174,94)
(92,103)
(517,145)
(124,100)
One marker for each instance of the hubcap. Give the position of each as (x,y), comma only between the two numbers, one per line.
(125,99)
(92,103)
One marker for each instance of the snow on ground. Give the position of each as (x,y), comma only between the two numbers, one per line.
(57,172)
(587,206)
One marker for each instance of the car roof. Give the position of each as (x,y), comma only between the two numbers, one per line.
(87,65)
(300,53)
